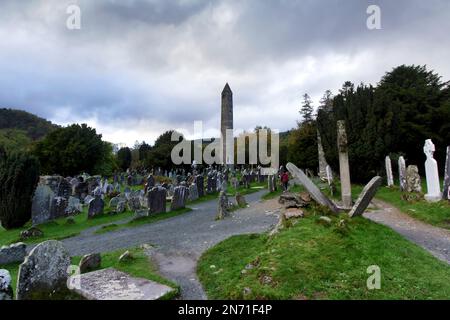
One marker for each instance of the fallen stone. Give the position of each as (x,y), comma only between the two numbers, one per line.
(315,192)
(293,213)
(111,284)
(43,274)
(13,253)
(325,220)
(90,262)
(365,197)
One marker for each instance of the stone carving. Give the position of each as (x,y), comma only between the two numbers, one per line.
(365,197)
(431,169)
(344,169)
(43,274)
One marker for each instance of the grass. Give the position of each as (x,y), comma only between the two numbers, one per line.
(59,229)
(272,195)
(142,221)
(139,266)
(311,261)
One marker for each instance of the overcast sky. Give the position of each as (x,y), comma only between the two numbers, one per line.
(138,68)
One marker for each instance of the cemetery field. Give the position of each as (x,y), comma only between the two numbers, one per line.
(310,260)
(139,266)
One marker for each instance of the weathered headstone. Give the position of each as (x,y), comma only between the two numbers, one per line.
(446,192)
(193,192)
(344,169)
(41,204)
(96,207)
(431,169)
(389,175)
(58,207)
(222,208)
(413,181)
(134,203)
(199,181)
(13,253)
(90,262)
(64,189)
(179,198)
(365,197)
(315,193)
(43,274)
(6,291)
(402,173)
(115,201)
(121,206)
(156,199)
(322,161)
(111,284)
(74,206)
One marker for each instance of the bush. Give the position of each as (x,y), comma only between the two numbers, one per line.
(19,175)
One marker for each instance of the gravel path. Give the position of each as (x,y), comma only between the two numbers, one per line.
(179,241)
(433,239)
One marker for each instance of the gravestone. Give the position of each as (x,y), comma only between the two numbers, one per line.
(322,161)
(240,200)
(64,189)
(156,199)
(193,192)
(199,181)
(96,207)
(402,173)
(43,274)
(13,253)
(179,198)
(115,201)
(134,203)
(446,192)
(222,208)
(90,262)
(431,169)
(413,181)
(74,206)
(389,175)
(88,199)
(41,204)
(6,291)
(315,193)
(344,169)
(121,206)
(365,197)
(111,284)
(58,208)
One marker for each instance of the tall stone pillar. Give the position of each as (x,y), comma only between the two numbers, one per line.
(227,141)
(344,169)
(402,173)
(322,161)
(389,175)
(446,193)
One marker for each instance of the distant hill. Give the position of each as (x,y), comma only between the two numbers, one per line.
(18,129)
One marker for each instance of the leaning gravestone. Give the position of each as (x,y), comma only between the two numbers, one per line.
(41,204)
(96,207)
(156,199)
(402,173)
(446,192)
(315,193)
(179,198)
(43,274)
(365,197)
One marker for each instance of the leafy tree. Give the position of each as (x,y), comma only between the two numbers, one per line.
(124,158)
(159,155)
(71,150)
(19,175)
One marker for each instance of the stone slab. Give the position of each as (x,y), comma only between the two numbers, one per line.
(313,190)
(111,284)
(365,197)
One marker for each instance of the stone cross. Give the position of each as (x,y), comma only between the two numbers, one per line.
(389,175)
(446,193)
(431,170)
(402,173)
(344,169)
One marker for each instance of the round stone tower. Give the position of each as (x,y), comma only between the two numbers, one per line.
(227,123)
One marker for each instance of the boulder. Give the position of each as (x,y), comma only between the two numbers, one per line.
(43,274)
(90,262)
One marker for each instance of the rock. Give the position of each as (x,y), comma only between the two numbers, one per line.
(121,207)
(325,220)
(90,262)
(247,291)
(96,207)
(305,197)
(179,198)
(365,197)
(294,213)
(115,201)
(13,253)
(156,199)
(402,173)
(240,200)
(125,256)
(33,232)
(139,214)
(291,200)
(315,193)
(413,182)
(111,284)
(43,274)
(222,208)
(6,291)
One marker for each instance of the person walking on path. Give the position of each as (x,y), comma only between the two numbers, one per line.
(285,180)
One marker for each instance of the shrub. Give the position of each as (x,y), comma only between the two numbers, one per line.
(19,175)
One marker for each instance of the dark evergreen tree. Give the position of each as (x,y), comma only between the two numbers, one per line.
(124,158)
(307,109)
